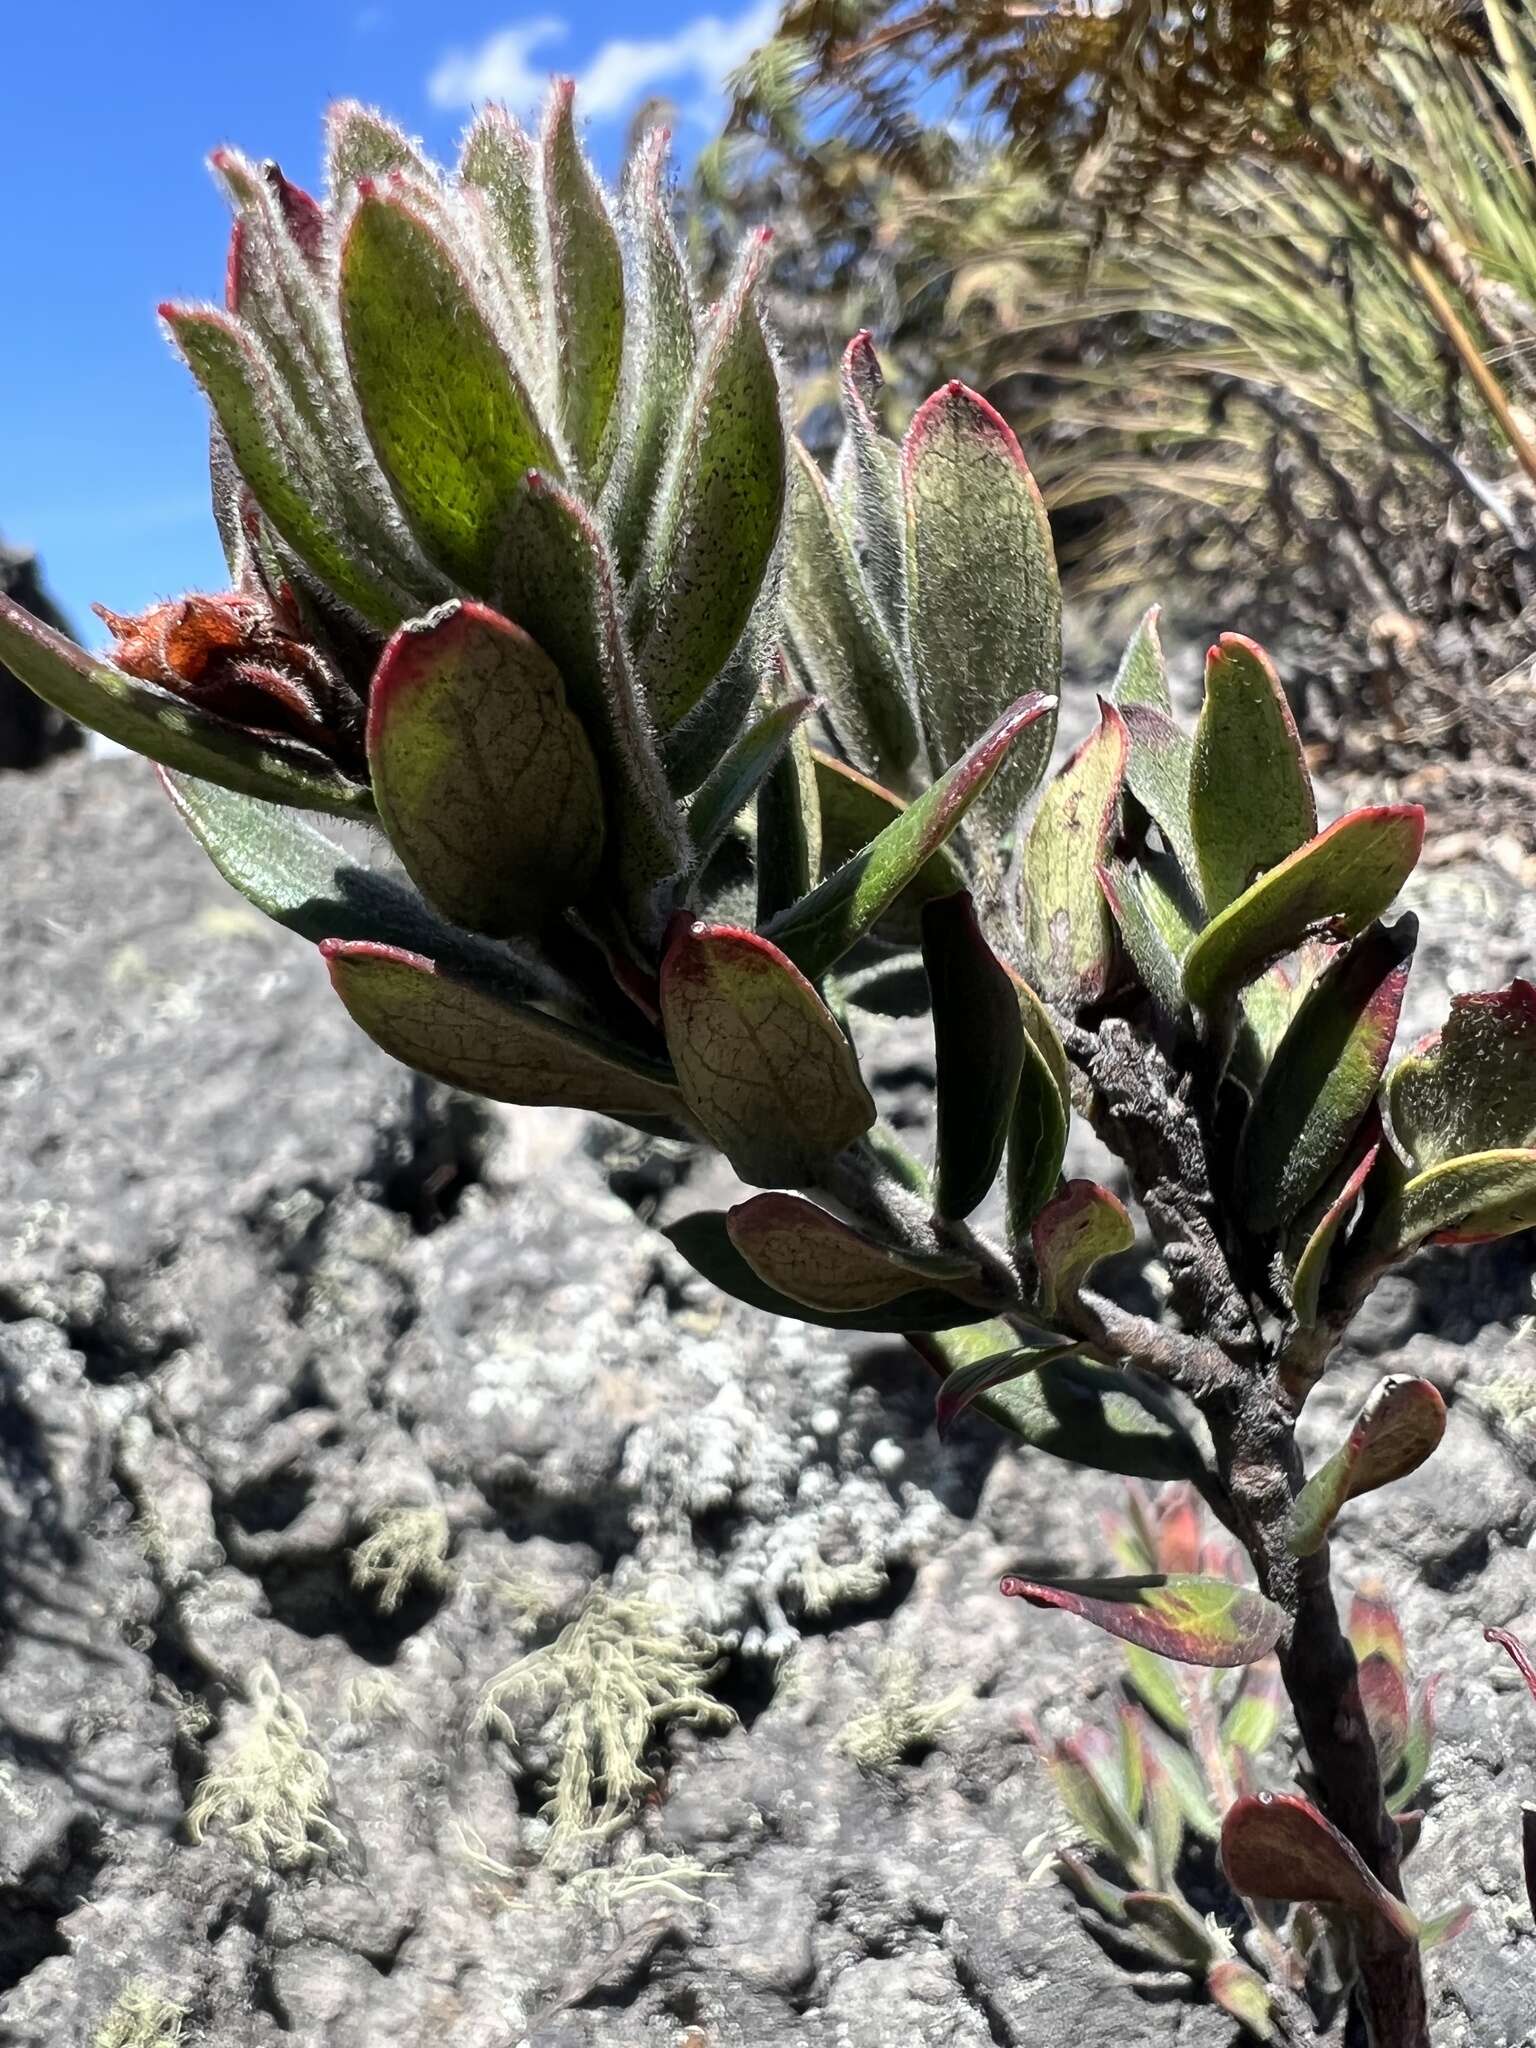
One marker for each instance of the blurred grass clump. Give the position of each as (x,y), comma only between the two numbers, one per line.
(1258,286)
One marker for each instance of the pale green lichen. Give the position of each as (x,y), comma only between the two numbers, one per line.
(825,1586)
(900,1721)
(269,1793)
(596,1696)
(141,2018)
(604,1888)
(370,1700)
(408,1547)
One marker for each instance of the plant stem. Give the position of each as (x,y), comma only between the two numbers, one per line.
(1261,1467)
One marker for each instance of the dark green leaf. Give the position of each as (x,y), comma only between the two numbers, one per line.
(759,1058)
(737,779)
(1090,1415)
(855,810)
(1250,795)
(818,931)
(1324,1076)
(705,1242)
(789,850)
(307,882)
(1340,881)
(1157,772)
(1037,1129)
(979,1049)
(483,776)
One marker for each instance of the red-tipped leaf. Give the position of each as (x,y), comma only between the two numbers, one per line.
(1188,1617)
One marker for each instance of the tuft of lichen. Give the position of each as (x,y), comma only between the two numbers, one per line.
(408,1546)
(901,1721)
(269,1793)
(596,1696)
(141,2018)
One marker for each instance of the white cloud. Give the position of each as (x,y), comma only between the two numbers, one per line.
(499,69)
(695,60)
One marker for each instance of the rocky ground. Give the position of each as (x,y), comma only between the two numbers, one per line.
(258,1295)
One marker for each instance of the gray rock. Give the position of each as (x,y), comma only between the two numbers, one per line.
(258,1291)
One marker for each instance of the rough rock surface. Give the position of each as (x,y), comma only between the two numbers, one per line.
(257,1291)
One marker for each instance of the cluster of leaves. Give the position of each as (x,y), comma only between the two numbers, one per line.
(1188,1859)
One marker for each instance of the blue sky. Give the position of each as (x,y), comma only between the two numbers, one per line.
(107,111)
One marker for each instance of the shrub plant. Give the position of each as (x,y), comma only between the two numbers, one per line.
(689,756)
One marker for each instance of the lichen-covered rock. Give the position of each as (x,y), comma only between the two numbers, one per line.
(256,1303)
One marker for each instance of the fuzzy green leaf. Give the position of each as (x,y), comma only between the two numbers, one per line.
(1324,1076)
(979,1050)
(151,721)
(1094,1802)
(1151,1678)
(1307,1280)
(718,508)
(867,480)
(1393,1434)
(305,881)
(1242,1995)
(819,930)
(1340,881)
(499,169)
(1082,1225)
(472,1038)
(763,1066)
(1465,1201)
(280,460)
(1067,924)
(1253,1720)
(1181,1615)
(1140,909)
(557,581)
(855,810)
(1177,1932)
(789,852)
(1142,677)
(1250,795)
(983,600)
(964,1386)
(483,776)
(1276,1845)
(1157,773)
(1471,1087)
(660,341)
(740,775)
(1084,1414)
(450,419)
(1388,1711)
(586,290)
(841,642)
(1037,1130)
(363,143)
(704,1240)
(799,1250)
